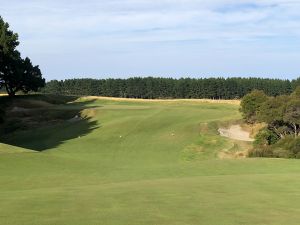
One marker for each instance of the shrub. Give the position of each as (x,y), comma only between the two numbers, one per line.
(267,144)
(263,151)
(282,153)
(294,146)
(250,105)
(265,137)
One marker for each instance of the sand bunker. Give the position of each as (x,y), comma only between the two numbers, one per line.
(235,132)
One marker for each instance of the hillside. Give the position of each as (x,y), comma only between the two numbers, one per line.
(112,161)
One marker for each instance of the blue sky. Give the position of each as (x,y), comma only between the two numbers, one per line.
(169,38)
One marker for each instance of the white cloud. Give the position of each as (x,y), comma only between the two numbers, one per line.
(74,27)
(101,17)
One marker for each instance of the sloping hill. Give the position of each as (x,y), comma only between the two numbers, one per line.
(142,163)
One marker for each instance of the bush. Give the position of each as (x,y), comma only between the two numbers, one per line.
(267,144)
(250,105)
(282,153)
(288,147)
(265,137)
(292,145)
(263,151)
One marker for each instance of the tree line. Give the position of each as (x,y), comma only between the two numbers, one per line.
(280,136)
(153,88)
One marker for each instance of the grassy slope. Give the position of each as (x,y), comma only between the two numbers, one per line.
(146,176)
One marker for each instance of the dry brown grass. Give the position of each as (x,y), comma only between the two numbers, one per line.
(253,129)
(88,113)
(232,155)
(233,102)
(238,150)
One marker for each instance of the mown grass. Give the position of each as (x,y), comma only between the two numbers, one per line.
(142,163)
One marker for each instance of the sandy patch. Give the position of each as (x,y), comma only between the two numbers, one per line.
(235,132)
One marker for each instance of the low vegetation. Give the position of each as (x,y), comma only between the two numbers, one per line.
(281,115)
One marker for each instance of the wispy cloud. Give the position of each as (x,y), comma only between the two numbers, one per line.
(141,29)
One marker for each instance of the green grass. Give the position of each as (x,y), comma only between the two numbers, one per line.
(142,163)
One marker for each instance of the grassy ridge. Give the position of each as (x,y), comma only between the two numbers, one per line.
(142,163)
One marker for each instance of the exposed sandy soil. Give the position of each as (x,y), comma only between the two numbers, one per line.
(235,132)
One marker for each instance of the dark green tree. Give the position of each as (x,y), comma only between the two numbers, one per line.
(272,113)
(251,104)
(151,87)
(16,74)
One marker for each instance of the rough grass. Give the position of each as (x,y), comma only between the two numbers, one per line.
(146,163)
(233,102)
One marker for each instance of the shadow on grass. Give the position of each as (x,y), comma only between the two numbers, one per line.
(40,129)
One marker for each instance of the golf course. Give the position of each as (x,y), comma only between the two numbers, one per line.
(140,162)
